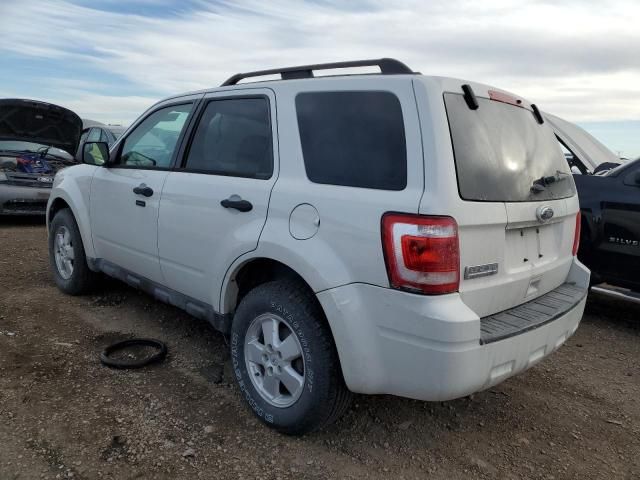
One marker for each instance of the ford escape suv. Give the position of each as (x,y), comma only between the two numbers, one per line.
(385,233)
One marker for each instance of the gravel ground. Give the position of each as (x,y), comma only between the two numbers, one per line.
(63,415)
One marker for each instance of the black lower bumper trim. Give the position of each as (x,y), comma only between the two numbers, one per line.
(532,314)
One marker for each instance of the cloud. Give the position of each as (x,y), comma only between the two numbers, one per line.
(576,59)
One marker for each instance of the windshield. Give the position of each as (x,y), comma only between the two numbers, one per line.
(116,132)
(503,154)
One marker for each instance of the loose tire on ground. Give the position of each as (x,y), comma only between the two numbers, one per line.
(76,278)
(324,396)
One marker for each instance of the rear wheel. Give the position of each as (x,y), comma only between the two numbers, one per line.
(284,359)
(66,255)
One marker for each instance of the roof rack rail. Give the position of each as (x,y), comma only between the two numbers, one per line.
(388,66)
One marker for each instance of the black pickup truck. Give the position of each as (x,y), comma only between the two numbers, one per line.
(610,235)
(609,192)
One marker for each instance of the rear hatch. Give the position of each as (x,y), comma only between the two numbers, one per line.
(518,213)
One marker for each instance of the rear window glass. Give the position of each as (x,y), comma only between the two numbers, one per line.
(355,139)
(503,154)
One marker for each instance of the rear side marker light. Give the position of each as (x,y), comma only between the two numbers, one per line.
(421,253)
(576,235)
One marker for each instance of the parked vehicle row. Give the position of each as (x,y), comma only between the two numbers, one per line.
(393,233)
(350,233)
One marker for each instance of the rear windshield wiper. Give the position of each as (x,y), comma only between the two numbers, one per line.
(541,184)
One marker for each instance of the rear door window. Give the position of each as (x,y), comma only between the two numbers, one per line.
(233,138)
(353,138)
(503,154)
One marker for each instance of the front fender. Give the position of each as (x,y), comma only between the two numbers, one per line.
(73,186)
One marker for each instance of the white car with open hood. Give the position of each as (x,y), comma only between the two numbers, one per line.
(37,139)
(385,233)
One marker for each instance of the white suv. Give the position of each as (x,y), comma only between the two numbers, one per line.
(385,233)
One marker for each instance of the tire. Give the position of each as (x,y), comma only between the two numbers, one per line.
(323,396)
(79,279)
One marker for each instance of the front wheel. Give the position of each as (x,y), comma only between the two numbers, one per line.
(66,255)
(285,361)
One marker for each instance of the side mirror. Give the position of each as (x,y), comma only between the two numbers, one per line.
(95,153)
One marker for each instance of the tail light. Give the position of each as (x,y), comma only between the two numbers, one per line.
(421,252)
(576,235)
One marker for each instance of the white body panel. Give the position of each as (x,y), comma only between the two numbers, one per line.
(346,247)
(428,349)
(508,234)
(72,185)
(123,232)
(197,237)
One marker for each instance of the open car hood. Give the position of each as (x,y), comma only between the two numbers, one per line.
(39,122)
(590,152)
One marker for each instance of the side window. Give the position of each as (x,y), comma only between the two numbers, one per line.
(94,135)
(105,136)
(355,139)
(233,138)
(152,142)
(83,139)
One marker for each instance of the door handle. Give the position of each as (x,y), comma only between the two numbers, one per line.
(142,189)
(234,201)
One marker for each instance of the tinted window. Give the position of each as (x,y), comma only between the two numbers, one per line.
(83,139)
(152,142)
(503,154)
(233,138)
(106,136)
(353,138)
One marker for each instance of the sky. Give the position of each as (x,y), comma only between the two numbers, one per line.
(109,60)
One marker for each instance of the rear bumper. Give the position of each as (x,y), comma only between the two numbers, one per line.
(429,348)
(19,200)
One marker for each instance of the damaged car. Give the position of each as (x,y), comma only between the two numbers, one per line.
(37,139)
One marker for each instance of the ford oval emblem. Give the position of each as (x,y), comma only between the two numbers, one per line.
(544,213)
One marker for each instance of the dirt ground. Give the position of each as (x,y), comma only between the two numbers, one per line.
(63,415)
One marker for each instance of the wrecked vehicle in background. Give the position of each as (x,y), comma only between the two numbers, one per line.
(609,192)
(98,132)
(584,153)
(37,139)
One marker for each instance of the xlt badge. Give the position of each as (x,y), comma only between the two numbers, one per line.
(480,271)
